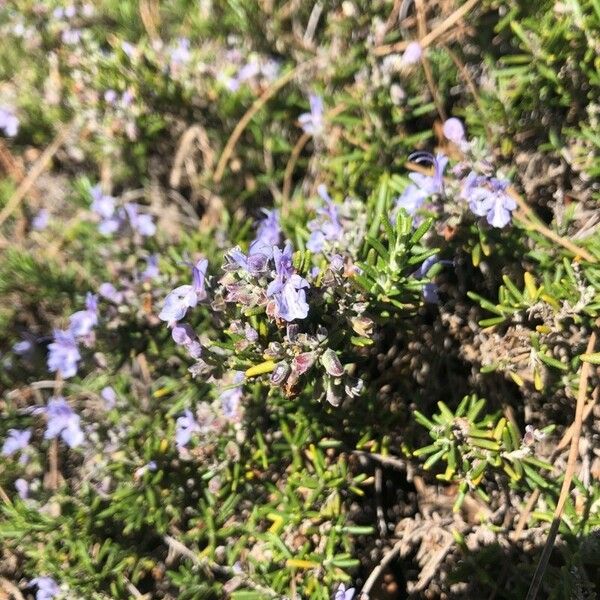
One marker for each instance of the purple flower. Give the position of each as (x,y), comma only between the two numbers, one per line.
(287,289)
(82,322)
(22,488)
(102,205)
(151,271)
(128,48)
(412,54)
(183,297)
(430,290)
(181,53)
(177,303)
(423,186)
(326,227)
(127,98)
(109,226)
(109,291)
(267,234)
(231,398)
(284,268)
(453,130)
(411,199)
(150,466)
(63,354)
(290,302)
(312,122)
(63,421)
(253,263)
(344,594)
(184,335)
(199,278)
(250,333)
(71,36)
(270,69)
(47,588)
(141,223)
(109,396)
(40,221)
(250,70)
(110,96)
(185,427)
(17,439)
(23,347)
(488,197)
(8,122)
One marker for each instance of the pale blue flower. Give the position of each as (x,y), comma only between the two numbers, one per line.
(142,223)
(151,271)
(83,322)
(252,264)
(454,131)
(22,488)
(183,297)
(291,300)
(109,396)
(185,427)
(412,54)
(283,268)
(22,347)
(423,186)
(231,398)
(326,227)
(177,303)
(181,53)
(47,588)
(63,421)
(102,204)
(8,121)
(184,335)
(17,440)
(312,122)
(268,234)
(488,197)
(63,354)
(109,291)
(41,220)
(343,593)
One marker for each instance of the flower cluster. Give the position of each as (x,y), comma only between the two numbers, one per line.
(63,351)
(485,196)
(114,219)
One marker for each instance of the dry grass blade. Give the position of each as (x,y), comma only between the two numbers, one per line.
(434,34)
(256,106)
(29,181)
(564,442)
(538,576)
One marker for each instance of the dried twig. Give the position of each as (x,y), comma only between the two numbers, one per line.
(39,167)
(378,570)
(422,28)
(433,35)
(538,576)
(4,496)
(256,106)
(564,442)
(387,461)
(179,548)
(291,164)
(11,589)
(528,217)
